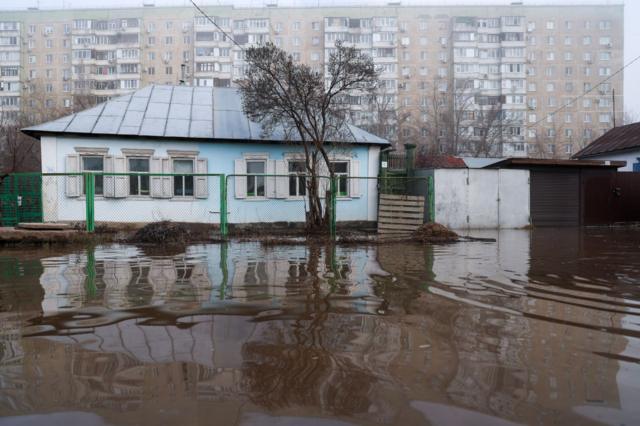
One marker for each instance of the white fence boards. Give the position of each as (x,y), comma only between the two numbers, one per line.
(481,198)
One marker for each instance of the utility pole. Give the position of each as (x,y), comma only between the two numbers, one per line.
(613,95)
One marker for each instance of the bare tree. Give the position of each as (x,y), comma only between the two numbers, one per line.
(631,116)
(384,118)
(279,92)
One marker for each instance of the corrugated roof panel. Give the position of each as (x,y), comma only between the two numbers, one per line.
(180,111)
(58,125)
(201,129)
(177,128)
(230,125)
(96,110)
(182,95)
(201,112)
(133,119)
(202,96)
(152,127)
(107,125)
(227,100)
(138,104)
(161,94)
(616,139)
(128,130)
(157,110)
(115,108)
(145,92)
(82,124)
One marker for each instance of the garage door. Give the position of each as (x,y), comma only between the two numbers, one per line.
(555,198)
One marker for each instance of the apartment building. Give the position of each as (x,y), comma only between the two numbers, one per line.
(477,80)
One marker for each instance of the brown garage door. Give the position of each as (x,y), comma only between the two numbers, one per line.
(555,198)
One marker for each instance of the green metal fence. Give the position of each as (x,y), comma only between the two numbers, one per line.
(20,198)
(232,204)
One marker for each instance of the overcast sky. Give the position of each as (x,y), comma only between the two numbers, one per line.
(632,20)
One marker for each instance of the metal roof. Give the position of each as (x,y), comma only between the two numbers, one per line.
(177,112)
(542,162)
(616,139)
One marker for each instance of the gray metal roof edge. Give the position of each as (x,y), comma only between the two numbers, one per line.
(39,133)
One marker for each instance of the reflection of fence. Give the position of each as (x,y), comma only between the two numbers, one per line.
(230,203)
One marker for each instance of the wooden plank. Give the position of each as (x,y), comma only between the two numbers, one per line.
(401,209)
(398,227)
(402,202)
(401,197)
(404,215)
(412,222)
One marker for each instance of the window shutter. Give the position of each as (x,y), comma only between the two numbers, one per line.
(155,182)
(109,189)
(72,183)
(270,181)
(324,182)
(240,168)
(166,180)
(282,189)
(121,182)
(354,184)
(201,182)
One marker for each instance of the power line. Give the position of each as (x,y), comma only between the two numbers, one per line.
(571,102)
(215,24)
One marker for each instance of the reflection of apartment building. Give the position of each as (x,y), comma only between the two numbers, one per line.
(496,72)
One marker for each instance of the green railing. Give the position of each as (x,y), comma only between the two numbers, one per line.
(50,189)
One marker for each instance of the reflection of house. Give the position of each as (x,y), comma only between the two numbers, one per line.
(184,130)
(492,334)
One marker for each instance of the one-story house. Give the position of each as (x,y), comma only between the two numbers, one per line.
(618,144)
(181,130)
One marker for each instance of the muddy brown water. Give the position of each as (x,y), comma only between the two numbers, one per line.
(539,327)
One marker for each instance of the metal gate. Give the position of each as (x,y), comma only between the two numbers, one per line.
(20,199)
(555,198)
(611,198)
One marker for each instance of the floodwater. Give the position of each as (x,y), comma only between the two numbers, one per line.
(538,327)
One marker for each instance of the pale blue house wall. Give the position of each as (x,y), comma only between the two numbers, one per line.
(220,156)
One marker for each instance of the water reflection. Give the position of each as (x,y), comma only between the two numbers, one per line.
(535,328)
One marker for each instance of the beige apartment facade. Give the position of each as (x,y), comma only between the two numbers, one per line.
(476,80)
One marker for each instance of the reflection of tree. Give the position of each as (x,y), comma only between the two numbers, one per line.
(293,367)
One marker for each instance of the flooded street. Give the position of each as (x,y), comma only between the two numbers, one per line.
(538,327)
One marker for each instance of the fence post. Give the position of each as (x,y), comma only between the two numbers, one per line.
(432,200)
(90,189)
(223,207)
(333,214)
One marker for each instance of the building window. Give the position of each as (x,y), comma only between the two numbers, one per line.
(255,180)
(341,171)
(94,163)
(183,185)
(297,180)
(138,185)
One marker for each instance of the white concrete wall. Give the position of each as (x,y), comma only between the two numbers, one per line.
(481,199)
(630,157)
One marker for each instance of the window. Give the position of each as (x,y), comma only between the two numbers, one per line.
(183,185)
(341,171)
(255,183)
(139,185)
(297,183)
(94,163)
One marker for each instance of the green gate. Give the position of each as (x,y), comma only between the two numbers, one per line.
(20,199)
